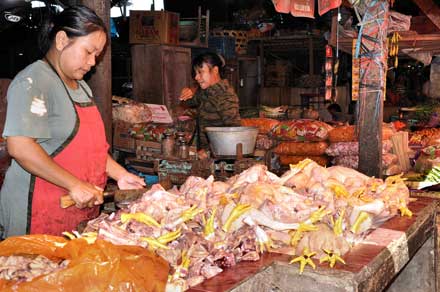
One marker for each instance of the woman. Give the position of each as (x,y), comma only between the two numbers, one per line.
(55,134)
(215,99)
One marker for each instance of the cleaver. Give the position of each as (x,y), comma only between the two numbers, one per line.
(109,196)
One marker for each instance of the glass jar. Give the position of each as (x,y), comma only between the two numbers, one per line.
(167,145)
(183,149)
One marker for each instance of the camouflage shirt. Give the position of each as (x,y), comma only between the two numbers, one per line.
(217,107)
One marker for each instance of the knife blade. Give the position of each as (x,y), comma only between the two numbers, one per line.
(109,196)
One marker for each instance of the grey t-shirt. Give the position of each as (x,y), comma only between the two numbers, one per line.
(38,107)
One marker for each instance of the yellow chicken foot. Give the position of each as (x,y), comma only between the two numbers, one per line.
(68,235)
(317,215)
(153,243)
(331,257)
(297,235)
(305,259)
(359,220)
(170,236)
(238,210)
(182,269)
(90,237)
(337,227)
(340,191)
(209,225)
(186,215)
(140,217)
(404,211)
(394,179)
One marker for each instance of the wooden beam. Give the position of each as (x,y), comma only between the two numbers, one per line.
(431,10)
(101,81)
(373,67)
(423,25)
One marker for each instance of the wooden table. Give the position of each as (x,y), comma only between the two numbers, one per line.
(399,252)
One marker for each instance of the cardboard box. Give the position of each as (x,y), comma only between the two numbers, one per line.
(154,27)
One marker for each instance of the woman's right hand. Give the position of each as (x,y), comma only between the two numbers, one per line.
(186,93)
(86,195)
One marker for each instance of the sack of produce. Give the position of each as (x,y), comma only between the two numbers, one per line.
(294,159)
(350,161)
(99,266)
(302,130)
(352,148)
(264,125)
(342,134)
(301,148)
(132,113)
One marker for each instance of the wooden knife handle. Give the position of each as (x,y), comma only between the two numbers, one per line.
(66,201)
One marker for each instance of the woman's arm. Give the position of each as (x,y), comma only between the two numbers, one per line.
(34,159)
(125,179)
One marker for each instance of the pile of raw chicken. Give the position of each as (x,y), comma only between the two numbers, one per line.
(206,225)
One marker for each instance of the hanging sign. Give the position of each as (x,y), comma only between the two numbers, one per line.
(355,73)
(326,5)
(302,8)
(282,6)
(328,72)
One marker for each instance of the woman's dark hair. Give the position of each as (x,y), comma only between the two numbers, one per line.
(210,59)
(76,21)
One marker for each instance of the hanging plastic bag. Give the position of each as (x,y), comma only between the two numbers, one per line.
(100,266)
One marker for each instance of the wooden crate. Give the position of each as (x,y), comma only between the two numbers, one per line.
(122,139)
(146,149)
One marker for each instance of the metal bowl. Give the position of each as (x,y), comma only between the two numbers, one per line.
(224,140)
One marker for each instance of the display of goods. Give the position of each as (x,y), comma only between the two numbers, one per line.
(264,125)
(352,148)
(79,264)
(264,142)
(302,130)
(206,226)
(342,134)
(153,132)
(294,159)
(423,137)
(301,148)
(132,113)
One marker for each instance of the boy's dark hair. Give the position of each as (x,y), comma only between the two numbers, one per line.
(76,21)
(334,107)
(210,59)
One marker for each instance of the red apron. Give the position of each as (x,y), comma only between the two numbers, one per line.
(85,156)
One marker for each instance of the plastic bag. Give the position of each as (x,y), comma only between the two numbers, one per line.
(100,266)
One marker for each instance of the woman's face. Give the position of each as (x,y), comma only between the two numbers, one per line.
(206,76)
(80,53)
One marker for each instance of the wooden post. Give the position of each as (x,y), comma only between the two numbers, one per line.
(101,81)
(311,56)
(373,65)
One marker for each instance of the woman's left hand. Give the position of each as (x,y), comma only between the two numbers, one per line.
(129,181)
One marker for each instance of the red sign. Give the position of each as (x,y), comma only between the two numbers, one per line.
(326,5)
(302,8)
